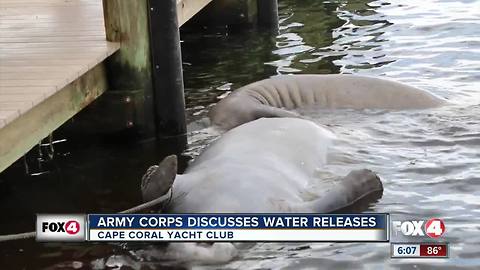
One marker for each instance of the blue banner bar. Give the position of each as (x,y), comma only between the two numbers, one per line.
(238,221)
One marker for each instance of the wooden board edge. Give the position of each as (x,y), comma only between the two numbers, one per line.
(19,136)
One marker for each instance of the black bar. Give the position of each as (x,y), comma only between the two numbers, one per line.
(267,12)
(167,72)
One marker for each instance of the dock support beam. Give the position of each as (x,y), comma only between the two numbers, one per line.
(148,67)
(167,71)
(267,12)
(129,70)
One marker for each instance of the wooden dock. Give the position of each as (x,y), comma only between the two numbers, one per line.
(52,56)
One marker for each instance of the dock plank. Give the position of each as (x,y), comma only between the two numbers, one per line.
(7,115)
(51,65)
(51,54)
(56,53)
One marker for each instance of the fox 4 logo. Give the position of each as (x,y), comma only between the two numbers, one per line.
(70,227)
(433,228)
(60,227)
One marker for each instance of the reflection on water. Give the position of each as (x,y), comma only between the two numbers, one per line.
(428,160)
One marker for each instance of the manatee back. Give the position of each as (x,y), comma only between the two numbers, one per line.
(293,140)
(353,92)
(275,96)
(259,166)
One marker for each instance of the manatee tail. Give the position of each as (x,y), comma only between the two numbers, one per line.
(158,179)
(357,187)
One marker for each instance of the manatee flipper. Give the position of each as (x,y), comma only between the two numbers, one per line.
(159,178)
(352,188)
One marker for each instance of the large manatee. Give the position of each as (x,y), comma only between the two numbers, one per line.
(276,96)
(265,166)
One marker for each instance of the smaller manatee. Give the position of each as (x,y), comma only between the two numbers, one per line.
(278,95)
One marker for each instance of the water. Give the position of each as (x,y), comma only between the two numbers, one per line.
(428,160)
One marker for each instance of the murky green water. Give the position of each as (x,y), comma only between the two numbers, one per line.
(429,160)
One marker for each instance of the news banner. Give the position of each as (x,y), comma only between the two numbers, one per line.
(403,235)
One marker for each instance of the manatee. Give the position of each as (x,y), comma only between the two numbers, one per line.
(278,95)
(263,166)
(269,156)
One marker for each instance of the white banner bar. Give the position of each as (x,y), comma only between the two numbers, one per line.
(234,235)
